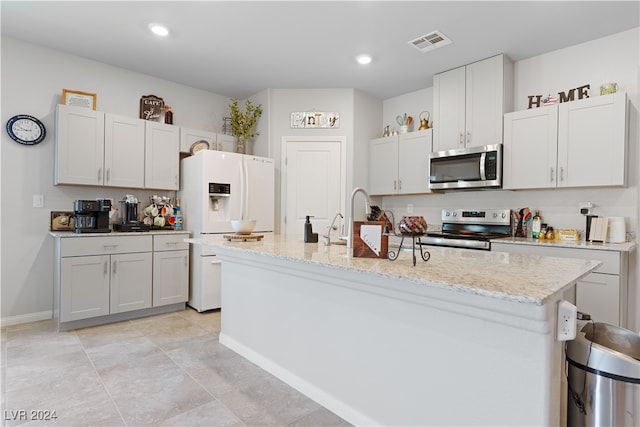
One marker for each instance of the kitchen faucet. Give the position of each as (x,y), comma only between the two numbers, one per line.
(327,238)
(349,236)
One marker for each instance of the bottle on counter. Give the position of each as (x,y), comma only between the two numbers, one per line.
(177,211)
(536,225)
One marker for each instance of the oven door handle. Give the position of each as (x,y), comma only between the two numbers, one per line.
(483,174)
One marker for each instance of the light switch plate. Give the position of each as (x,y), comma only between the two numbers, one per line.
(38,201)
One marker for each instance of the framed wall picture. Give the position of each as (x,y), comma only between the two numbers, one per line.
(78,98)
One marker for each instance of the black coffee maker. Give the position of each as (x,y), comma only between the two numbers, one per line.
(129,216)
(91,216)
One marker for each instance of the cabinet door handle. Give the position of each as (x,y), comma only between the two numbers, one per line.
(186,264)
(468,138)
(399,185)
(109,246)
(394,184)
(561,173)
(99,174)
(108,174)
(106,268)
(551,175)
(115,263)
(171,243)
(461,138)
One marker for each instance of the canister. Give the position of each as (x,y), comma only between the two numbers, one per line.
(617,230)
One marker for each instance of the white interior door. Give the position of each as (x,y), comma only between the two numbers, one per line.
(313,182)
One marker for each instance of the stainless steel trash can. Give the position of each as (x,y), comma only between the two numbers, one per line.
(603,376)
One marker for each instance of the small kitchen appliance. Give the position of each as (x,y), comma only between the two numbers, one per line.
(466,168)
(129,216)
(472,229)
(91,216)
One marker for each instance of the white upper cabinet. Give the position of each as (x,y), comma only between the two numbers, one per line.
(162,156)
(399,164)
(574,144)
(592,141)
(383,165)
(530,151)
(79,146)
(469,103)
(188,137)
(97,148)
(123,151)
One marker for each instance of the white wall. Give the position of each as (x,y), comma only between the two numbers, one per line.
(412,104)
(32,81)
(610,59)
(285,101)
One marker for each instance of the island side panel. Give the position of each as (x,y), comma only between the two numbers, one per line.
(373,359)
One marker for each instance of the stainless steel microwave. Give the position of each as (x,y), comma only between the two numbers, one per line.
(466,168)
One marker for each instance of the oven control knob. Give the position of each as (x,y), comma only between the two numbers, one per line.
(495,215)
(454,213)
(504,215)
(447,213)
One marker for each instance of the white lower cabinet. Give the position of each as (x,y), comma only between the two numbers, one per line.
(170,270)
(602,293)
(84,289)
(101,276)
(130,282)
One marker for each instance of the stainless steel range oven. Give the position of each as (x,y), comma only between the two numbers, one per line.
(471,229)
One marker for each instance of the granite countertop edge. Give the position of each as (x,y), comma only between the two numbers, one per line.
(601,246)
(537,287)
(71,234)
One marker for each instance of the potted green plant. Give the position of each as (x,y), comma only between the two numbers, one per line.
(244,122)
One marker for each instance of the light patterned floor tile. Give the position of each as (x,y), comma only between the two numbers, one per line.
(167,370)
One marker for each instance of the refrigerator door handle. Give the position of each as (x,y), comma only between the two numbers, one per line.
(247,189)
(243,188)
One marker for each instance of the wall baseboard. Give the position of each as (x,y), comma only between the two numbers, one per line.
(26,318)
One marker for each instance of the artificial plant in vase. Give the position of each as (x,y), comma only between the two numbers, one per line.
(244,123)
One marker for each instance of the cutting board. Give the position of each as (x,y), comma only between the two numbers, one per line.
(598,232)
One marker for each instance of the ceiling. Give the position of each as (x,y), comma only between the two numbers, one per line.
(238,48)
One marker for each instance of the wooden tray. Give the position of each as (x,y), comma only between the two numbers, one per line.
(243,237)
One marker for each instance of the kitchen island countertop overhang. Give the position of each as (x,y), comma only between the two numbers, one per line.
(381,342)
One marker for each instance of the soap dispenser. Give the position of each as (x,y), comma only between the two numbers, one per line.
(309,235)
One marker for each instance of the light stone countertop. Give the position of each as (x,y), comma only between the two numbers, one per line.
(511,277)
(67,234)
(618,247)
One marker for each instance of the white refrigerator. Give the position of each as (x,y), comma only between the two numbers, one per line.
(215,188)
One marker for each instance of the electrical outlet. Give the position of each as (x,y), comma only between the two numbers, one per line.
(410,208)
(566,321)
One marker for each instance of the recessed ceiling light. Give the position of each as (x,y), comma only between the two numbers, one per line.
(363,59)
(159,30)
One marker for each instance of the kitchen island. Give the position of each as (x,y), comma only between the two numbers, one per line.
(467,338)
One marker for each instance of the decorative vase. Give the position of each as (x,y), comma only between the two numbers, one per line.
(242,145)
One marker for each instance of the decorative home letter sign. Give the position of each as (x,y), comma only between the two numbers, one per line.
(537,100)
(315,120)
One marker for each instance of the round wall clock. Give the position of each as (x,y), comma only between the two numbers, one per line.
(26,129)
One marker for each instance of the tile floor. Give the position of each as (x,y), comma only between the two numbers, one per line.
(167,370)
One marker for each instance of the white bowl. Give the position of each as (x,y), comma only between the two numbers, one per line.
(243,226)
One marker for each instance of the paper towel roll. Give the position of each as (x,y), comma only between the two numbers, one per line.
(617,230)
